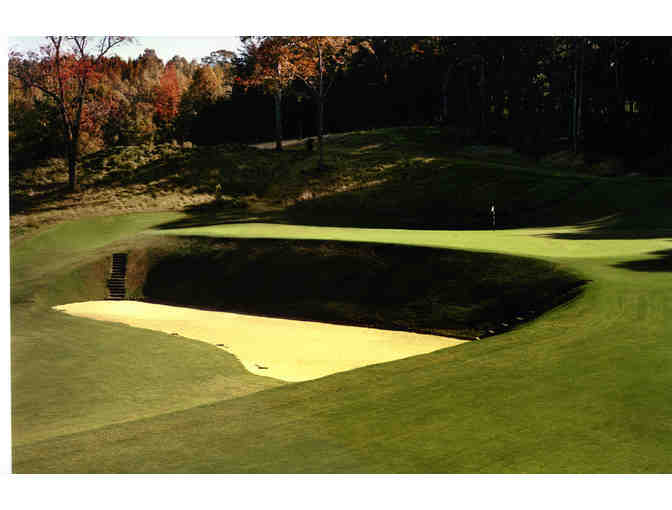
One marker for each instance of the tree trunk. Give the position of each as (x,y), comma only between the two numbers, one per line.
(575,120)
(444,97)
(73,154)
(320,129)
(618,104)
(575,100)
(467,98)
(75,131)
(445,87)
(278,120)
(580,100)
(571,108)
(485,104)
(320,113)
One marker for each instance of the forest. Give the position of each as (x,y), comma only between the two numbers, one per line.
(603,98)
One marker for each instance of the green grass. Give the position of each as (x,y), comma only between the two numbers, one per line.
(584,388)
(71,374)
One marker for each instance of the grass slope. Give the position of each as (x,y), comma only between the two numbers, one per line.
(444,292)
(584,388)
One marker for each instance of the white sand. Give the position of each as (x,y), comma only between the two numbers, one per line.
(289,350)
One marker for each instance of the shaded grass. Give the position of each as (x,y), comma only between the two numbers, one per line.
(443,292)
(661,261)
(453,193)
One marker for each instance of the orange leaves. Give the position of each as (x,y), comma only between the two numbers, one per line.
(66,73)
(277,61)
(205,88)
(271,66)
(205,85)
(167,95)
(316,59)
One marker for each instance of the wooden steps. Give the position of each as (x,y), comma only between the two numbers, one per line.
(116,283)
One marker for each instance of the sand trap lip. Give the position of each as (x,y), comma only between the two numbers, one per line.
(289,350)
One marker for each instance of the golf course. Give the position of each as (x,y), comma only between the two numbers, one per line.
(543,345)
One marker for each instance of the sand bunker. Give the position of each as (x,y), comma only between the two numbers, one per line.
(289,350)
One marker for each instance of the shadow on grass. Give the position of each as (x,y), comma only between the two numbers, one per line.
(415,198)
(215,213)
(622,226)
(599,234)
(662,263)
(425,290)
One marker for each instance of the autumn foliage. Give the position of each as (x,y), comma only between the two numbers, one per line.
(71,97)
(316,61)
(66,71)
(167,96)
(532,93)
(272,67)
(271,70)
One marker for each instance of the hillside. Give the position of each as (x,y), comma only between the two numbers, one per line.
(408,178)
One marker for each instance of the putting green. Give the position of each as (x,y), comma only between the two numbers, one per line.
(545,243)
(289,350)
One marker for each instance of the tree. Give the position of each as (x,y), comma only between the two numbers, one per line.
(579,53)
(219,58)
(167,96)
(316,61)
(205,87)
(271,69)
(34,130)
(65,71)
(203,92)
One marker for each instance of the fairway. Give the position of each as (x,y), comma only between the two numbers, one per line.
(284,349)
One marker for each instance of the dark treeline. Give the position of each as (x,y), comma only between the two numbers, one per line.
(599,96)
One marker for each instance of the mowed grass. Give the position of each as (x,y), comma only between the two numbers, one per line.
(71,374)
(584,388)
